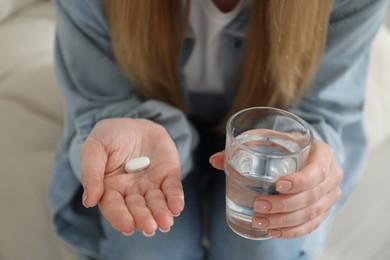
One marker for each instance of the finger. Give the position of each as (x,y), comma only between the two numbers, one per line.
(144,220)
(93,162)
(217,160)
(298,217)
(157,204)
(284,203)
(315,171)
(173,191)
(114,209)
(309,177)
(298,231)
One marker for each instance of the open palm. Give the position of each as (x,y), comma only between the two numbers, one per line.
(144,200)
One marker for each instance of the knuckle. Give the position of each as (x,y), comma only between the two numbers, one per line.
(339,174)
(313,195)
(339,193)
(313,212)
(282,221)
(304,181)
(321,170)
(284,205)
(321,191)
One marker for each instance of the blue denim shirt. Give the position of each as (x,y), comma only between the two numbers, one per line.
(93,88)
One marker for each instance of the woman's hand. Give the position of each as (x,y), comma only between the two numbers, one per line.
(144,200)
(306,198)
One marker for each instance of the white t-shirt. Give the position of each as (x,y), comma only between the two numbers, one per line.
(203,70)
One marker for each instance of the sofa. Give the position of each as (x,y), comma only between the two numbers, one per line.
(31,118)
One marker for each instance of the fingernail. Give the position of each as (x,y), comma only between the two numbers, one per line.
(274,233)
(164,230)
(85,196)
(176,215)
(261,206)
(283,186)
(259,222)
(214,156)
(128,234)
(148,235)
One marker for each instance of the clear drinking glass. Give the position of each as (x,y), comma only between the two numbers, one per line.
(262,144)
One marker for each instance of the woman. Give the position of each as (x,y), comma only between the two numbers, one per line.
(159,78)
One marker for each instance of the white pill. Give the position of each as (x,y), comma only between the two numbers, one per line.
(137,164)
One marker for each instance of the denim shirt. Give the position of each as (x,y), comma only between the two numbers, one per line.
(93,88)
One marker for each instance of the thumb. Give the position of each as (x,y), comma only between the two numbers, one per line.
(93,165)
(217,160)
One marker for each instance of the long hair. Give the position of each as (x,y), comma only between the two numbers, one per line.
(284,43)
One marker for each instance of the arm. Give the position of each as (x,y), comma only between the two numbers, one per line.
(334,107)
(335,101)
(105,123)
(94,88)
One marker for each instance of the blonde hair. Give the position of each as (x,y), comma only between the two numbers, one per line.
(284,43)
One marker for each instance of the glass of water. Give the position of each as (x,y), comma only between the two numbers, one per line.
(262,144)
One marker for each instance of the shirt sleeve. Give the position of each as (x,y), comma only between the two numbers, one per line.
(334,103)
(94,88)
